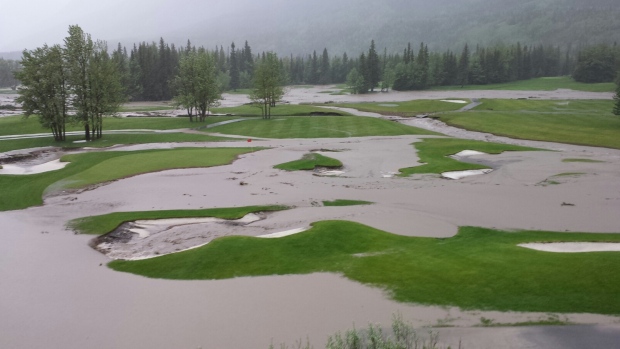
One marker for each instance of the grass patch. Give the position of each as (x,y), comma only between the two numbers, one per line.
(319,127)
(98,225)
(476,269)
(407,109)
(309,162)
(22,191)
(538,84)
(582,160)
(342,202)
(434,152)
(576,122)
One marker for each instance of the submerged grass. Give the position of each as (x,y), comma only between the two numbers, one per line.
(98,225)
(476,269)
(309,162)
(342,202)
(434,154)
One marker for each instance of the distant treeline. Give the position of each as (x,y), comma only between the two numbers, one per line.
(148,68)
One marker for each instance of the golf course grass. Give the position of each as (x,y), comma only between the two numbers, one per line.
(476,269)
(582,122)
(434,154)
(407,109)
(342,202)
(538,84)
(309,162)
(279,110)
(17,125)
(98,225)
(22,191)
(319,127)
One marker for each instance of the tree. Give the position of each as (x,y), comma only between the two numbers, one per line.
(373,67)
(234,68)
(94,81)
(268,82)
(44,88)
(355,81)
(198,86)
(595,64)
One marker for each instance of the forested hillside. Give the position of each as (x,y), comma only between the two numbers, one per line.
(348,25)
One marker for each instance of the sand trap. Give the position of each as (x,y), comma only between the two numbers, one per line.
(463,174)
(283,233)
(453,101)
(26,170)
(151,238)
(329,173)
(468,153)
(574,247)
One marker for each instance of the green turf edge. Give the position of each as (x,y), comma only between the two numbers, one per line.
(476,269)
(309,162)
(434,154)
(344,202)
(103,224)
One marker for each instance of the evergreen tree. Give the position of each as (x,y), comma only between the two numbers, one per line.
(234,68)
(463,68)
(373,67)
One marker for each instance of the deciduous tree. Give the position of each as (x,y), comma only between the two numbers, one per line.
(268,84)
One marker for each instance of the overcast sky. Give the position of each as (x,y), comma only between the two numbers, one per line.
(27,24)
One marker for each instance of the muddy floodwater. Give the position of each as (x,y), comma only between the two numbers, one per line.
(56,291)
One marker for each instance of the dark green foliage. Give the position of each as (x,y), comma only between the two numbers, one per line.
(617,99)
(8,68)
(597,64)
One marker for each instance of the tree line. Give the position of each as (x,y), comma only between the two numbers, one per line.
(81,81)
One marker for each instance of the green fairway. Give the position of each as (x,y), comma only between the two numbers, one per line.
(309,162)
(410,108)
(538,84)
(574,122)
(434,154)
(98,225)
(476,269)
(22,191)
(319,127)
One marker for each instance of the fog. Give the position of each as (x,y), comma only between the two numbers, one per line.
(301,26)
(273,24)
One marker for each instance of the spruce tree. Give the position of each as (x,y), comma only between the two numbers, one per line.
(373,67)
(234,68)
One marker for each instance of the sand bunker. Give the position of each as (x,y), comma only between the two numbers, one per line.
(453,101)
(283,233)
(144,239)
(463,174)
(465,153)
(26,170)
(574,247)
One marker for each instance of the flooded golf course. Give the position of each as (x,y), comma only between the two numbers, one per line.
(56,291)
